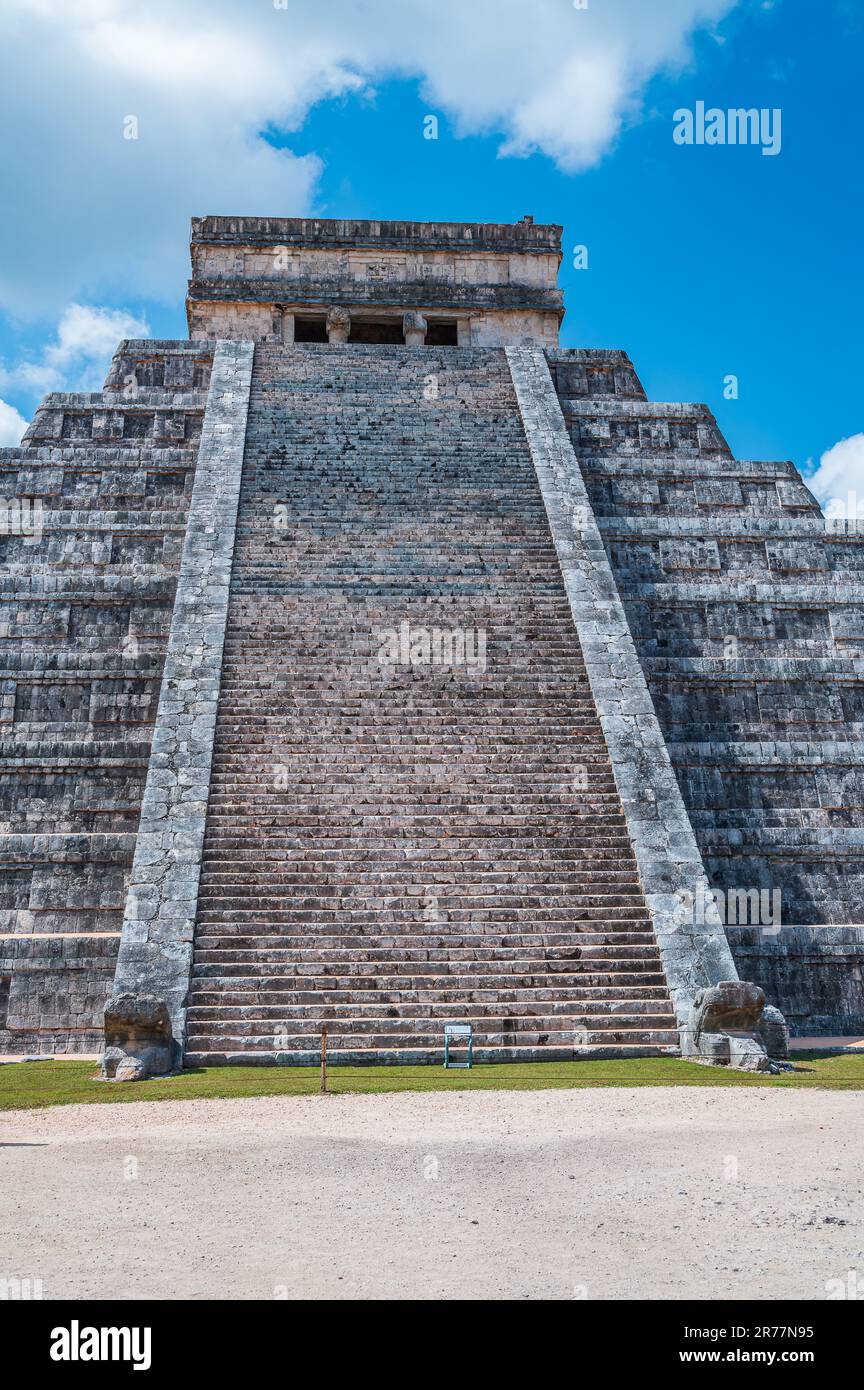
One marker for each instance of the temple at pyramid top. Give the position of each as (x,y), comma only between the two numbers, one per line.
(297,279)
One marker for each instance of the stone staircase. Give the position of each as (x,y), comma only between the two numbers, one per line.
(392,845)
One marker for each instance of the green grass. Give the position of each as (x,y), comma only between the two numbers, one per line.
(32,1085)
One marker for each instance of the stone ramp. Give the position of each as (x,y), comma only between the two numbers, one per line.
(396,839)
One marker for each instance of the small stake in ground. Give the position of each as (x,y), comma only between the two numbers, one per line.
(324,1060)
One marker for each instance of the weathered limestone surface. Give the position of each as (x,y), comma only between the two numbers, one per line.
(725,1027)
(694,954)
(731,690)
(816,972)
(414,326)
(162,418)
(138,1038)
(395,844)
(85,605)
(338,324)
(251,275)
(156,944)
(747,612)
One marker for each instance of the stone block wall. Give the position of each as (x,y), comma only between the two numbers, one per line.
(747,610)
(96,503)
(818,972)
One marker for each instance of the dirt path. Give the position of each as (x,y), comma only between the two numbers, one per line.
(655,1193)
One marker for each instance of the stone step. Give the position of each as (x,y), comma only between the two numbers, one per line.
(324,907)
(407,791)
(321,946)
(214,970)
(434,989)
(359,1056)
(226,880)
(613,934)
(595,1013)
(517,903)
(542,1033)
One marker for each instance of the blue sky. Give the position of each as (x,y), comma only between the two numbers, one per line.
(703,261)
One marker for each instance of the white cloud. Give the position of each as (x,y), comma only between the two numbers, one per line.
(838,482)
(78,360)
(12,425)
(87,332)
(95,212)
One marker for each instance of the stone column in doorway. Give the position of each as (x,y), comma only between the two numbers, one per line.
(414,327)
(338,325)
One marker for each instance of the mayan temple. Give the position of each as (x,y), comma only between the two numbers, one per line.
(371,661)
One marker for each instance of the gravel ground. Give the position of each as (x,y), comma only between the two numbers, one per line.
(650,1193)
